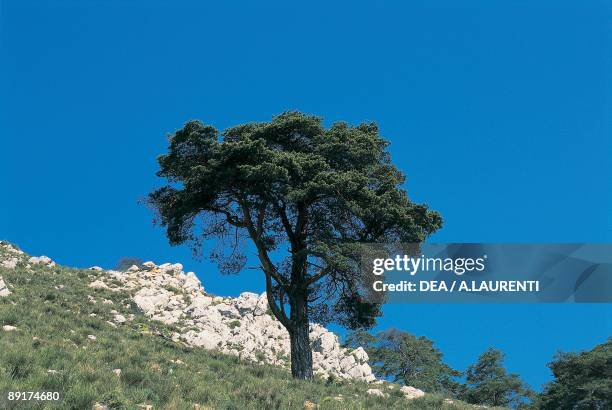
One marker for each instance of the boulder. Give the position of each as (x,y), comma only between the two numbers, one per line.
(370,378)
(10,263)
(325,343)
(191,282)
(171,268)
(377,393)
(206,339)
(358,371)
(347,362)
(228,311)
(410,392)
(360,355)
(98,284)
(41,260)
(4,290)
(119,318)
(147,299)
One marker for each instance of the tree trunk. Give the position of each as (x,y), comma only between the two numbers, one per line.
(301,354)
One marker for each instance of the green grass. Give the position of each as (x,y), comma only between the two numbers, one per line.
(53,326)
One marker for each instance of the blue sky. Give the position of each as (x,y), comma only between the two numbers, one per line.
(498,112)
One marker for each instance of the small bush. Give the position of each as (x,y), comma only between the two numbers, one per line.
(9,316)
(19,364)
(127,261)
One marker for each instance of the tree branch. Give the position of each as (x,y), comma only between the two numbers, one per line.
(278,313)
(261,215)
(262,253)
(300,224)
(318,276)
(286,223)
(231,219)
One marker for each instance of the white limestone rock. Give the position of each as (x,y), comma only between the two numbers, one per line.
(170,268)
(377,393)
(98,284)
(411,392)
(10,263)
(228,311)
(4,290)
(191,282)
(150,298)
(239,326)
(324,341)
(10,248)
(347,362)
(206,339)
(41,260)
(119,318)
(360,355)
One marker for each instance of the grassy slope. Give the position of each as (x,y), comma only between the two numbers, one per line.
(53,327)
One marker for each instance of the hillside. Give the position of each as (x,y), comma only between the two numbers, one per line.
(150,337)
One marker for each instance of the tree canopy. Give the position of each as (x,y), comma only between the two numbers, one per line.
(582,380)
(305,195)
(488,383)
(407,359)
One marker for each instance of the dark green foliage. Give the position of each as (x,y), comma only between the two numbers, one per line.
(487,382)
(407,359)
(582,380)
(307,197)
(127,261)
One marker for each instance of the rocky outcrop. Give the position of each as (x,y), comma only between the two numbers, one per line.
(241,326)
(10,263)
(42,260)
